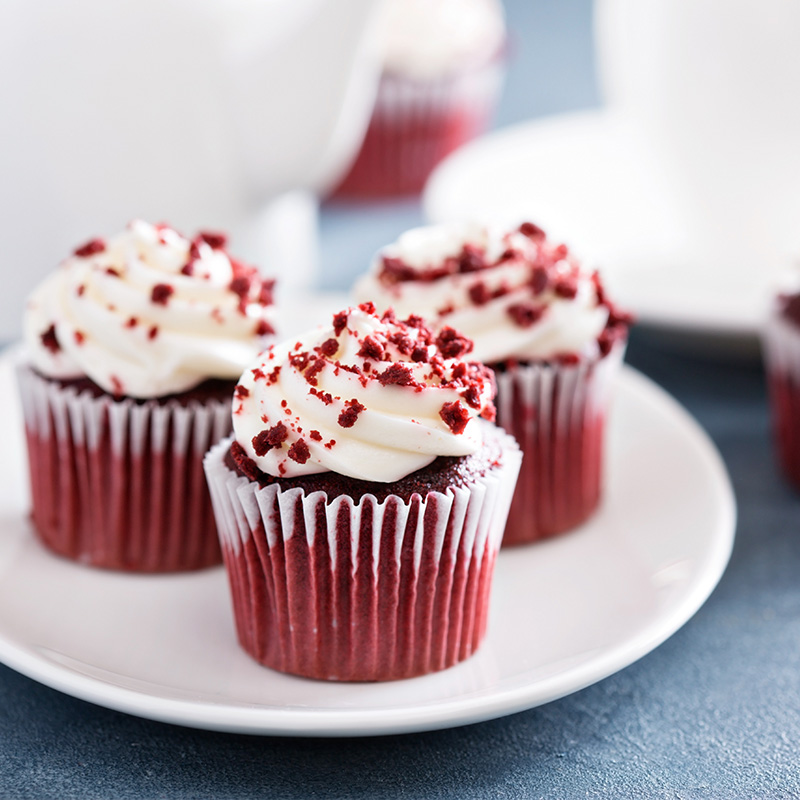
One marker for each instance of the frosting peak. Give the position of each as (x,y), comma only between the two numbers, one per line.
(149,313)
(516,294)
(370,397)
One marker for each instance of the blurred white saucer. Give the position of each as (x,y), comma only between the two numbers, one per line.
(592,180)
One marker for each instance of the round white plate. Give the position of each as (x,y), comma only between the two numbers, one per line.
(592,180)
(564,615)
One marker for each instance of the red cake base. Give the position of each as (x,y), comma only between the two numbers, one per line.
(785,402)
(414,125)
(557,415)
(370,591)
(120,484)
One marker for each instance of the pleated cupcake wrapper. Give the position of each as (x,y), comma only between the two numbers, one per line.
(416,123)
(120,484)
(367,591)
(780,344)
(557,414)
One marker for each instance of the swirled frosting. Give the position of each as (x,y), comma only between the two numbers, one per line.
(369,397)
(149,313)
(514,293)
(425,40)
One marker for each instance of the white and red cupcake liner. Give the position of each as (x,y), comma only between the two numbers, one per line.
(416,123)
(557,414)
(120,484)
(781,350)
(337,590)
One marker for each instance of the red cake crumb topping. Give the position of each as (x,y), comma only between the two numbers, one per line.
(241,392)
(396,375)
(153,332)
(532,231)
(273,437)
(80,338)
(451,344)
(80,290)
(50,341)
(350,414)
(214,239)
(526,314)
(315,435)
(329,347)
(92,247)
(340,322)
(263,328)
(161,293)
(132,322)
(299,452)
(455,416)
(371,348)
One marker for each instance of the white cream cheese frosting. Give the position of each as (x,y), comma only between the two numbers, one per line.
(427,39)
(514,293)
(149,313)
(369,397)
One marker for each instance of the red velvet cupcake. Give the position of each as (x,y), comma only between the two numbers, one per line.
(133,350)
(361,501)
(443,69)
(549,332)
(781,349)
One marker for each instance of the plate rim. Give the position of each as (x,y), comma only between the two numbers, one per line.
(710,323)
(454,711)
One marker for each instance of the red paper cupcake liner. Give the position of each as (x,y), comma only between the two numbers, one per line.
(368,591)
(557,414)
(781,349)
(119,484)
(415,124)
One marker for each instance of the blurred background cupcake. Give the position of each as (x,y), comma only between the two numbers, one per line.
(546,327)
(781,351)
(442,74)
(133,348)
(362,501)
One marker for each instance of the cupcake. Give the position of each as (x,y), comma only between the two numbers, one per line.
(133,347)
(781,350)
(442,72)
(361,502)
(548,331)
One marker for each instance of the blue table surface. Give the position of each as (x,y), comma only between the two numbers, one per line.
(714,712)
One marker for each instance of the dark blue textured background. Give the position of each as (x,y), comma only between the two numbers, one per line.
(712,713)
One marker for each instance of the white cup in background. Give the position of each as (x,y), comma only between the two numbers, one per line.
(715,86)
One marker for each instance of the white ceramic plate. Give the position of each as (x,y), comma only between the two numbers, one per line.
(565,613)
(593,180)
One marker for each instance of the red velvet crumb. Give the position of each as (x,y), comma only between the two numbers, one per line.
(455,416)
(273,437)
(339,322)
(241,392)
(299,452)
(263,328)
(215,240)
(79,337)
(452,344)
(50,341)
(531,231)
(153,332)
(371,348)
(397,375)
(349,416)
(161,293)
(315,435)
(329,347)
(525,314)
(90,248)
